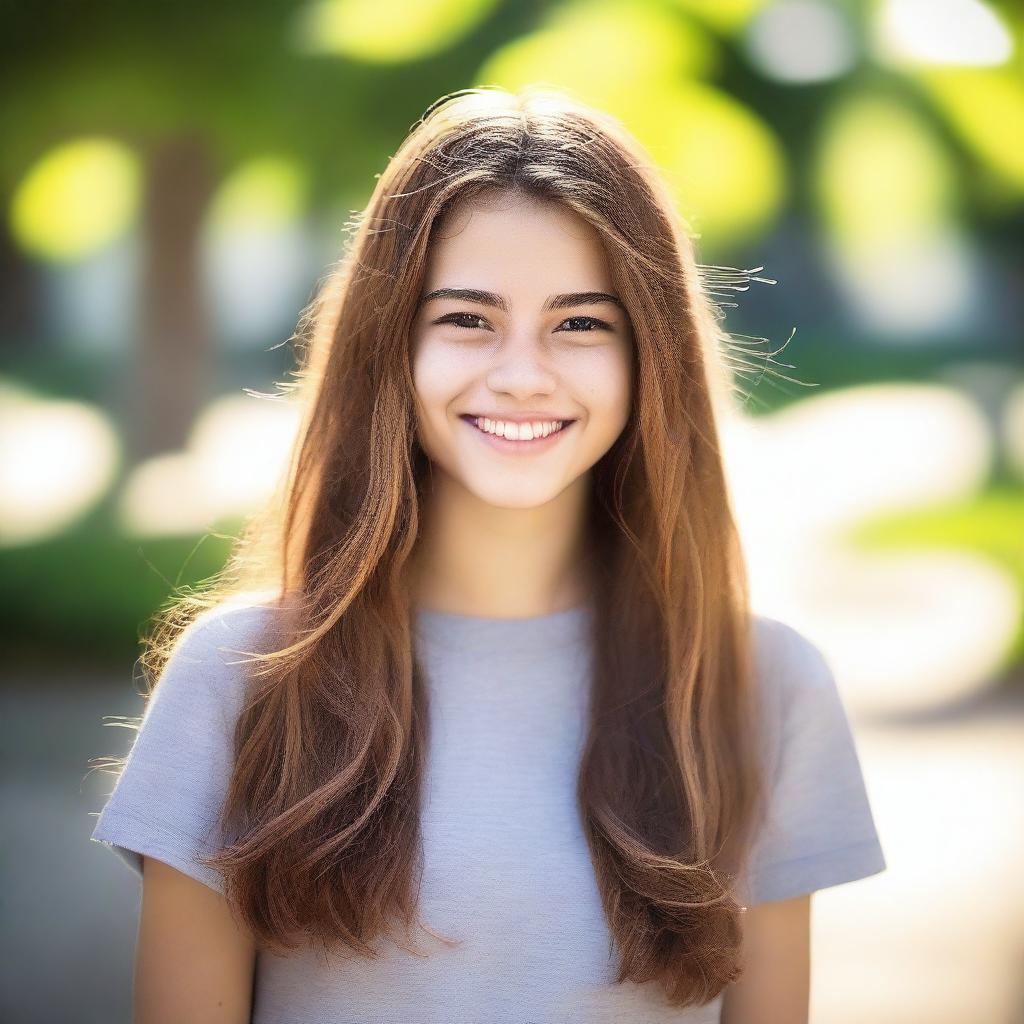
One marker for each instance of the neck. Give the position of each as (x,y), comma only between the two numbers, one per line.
(472,558)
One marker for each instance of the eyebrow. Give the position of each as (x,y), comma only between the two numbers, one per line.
(563,301)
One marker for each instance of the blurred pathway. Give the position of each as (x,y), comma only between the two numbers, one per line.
(938,938)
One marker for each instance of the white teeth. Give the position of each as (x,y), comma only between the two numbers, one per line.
(519,431)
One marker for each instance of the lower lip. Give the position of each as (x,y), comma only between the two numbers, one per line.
(503,444)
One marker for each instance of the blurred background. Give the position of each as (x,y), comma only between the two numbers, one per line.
(175,179)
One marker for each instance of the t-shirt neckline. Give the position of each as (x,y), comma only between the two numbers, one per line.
(463,618)
(568,626)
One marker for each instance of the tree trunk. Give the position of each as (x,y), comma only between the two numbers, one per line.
(173,360)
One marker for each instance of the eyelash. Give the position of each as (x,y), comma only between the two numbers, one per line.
(452,317)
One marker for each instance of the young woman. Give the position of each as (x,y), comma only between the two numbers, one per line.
(478,725)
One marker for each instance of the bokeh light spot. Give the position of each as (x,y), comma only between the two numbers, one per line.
(880,172)
(940,32)
(387,31)
(57,459)
(266,192)
(77,198)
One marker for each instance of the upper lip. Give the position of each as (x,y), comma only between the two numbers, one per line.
(522,417)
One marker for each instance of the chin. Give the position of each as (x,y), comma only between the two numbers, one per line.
(510,496)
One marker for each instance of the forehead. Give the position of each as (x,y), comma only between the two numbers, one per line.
(508,240)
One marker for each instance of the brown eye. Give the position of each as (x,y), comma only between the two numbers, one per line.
(455,318)
(599,325)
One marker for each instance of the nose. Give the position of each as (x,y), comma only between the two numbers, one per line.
(521,368)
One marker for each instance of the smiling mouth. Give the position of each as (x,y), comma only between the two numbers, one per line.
(512,442)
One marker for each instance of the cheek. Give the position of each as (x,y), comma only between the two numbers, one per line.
(434,375)
(440,376)
(609,387)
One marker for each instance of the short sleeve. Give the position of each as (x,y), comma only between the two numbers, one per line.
(819,831)
(167,800)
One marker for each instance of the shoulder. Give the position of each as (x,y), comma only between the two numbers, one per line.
(786,660)
(796,686)
(819,830)
(228,628)
(207,662)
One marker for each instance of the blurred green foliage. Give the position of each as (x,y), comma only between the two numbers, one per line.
(292,110)
(990,524)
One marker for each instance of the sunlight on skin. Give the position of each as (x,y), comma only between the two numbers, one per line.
(57,459)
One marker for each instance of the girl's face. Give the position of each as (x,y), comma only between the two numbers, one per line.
(519,324)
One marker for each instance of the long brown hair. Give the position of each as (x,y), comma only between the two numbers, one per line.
(322,807)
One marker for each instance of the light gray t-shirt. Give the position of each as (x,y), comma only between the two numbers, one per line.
(507,869)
